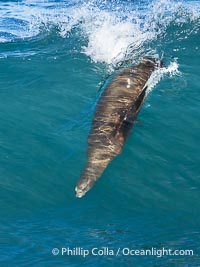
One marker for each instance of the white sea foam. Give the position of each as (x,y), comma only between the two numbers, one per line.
(112,30)
(113,37)
(170,70)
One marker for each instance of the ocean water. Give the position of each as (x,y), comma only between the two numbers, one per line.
(55,58)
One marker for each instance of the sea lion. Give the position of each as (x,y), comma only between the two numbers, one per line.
(114,115)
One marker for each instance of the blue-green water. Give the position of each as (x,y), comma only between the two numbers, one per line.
(54,56)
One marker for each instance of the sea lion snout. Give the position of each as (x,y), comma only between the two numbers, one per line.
(82,187)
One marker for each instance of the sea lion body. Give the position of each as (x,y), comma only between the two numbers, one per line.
(114,115)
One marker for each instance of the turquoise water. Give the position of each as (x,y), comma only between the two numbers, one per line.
(54,57)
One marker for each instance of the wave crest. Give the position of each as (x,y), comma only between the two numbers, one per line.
(109,31)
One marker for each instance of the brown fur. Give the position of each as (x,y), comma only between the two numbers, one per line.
(115,113)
